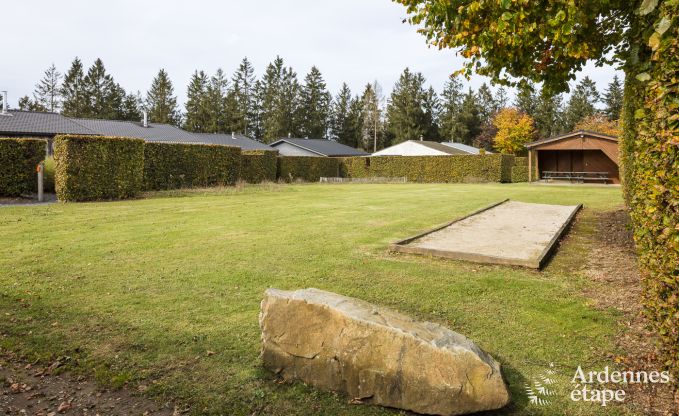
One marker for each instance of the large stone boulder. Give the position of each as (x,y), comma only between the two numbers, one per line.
(376,355)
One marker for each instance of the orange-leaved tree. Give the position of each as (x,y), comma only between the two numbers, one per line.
(514,130)
(599,123)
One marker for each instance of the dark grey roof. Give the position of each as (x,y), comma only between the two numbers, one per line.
(322,147)
(39,124)
(153,133)
(572,134)
(244,142)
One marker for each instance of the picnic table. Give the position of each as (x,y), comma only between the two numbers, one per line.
(579,177)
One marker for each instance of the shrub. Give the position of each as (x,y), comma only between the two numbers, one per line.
(519,173)
(176,165)
(306,168)
(650,161)
(19,159)
(258,166)
(48,184)
(431,169)
(97,168)
(520,161)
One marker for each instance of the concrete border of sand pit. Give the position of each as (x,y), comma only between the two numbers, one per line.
(536,262)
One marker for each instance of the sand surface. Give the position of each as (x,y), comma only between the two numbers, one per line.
(513,230)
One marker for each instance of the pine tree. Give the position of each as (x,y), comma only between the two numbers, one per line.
(356,122)
(161,102)
(548,114)
(314,106)
(103,96)
(432,110)
(486,103)
(451,129)
(469,118)
(216,101)
(27,104)
(268,97)
(613,99)
(501,99)
(371,118)
(289,104)
(256,130)
(581,103)
(405,117)
(131,107)
(341,126)
(526,99)
(47,94)
(243,82)
(197,117)
(73,92)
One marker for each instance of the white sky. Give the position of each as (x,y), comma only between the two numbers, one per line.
(355,41)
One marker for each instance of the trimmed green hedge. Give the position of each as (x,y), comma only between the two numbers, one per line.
(175,165)
(306,168)
(519,173)
(258,166)
(432,169)
(650,162)
(520,161)
(19,159)
(92,168)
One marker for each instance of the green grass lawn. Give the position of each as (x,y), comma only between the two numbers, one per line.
(137,292)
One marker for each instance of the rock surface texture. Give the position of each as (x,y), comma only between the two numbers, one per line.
(376,355)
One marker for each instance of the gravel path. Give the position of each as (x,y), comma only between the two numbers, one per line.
(513,230)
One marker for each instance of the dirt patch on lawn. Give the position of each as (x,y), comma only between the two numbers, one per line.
(612,265)
(31,389)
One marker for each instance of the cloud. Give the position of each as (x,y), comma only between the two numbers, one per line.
(353,41)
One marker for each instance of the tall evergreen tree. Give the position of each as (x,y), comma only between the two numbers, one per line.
(73,92)
(613,99)
(356,114)
(216,100)
(450,126)
(432,111)
(197,114)
(371,118)
(581,103)
(161,102)
(548,114)
(501,99)
(486,103)
(131,107)
(103,96)
(405,117)
(469,118)
(47,94)
(268,95)
(243,82)
(341,124)
(27,104)
(289,104)
(314,105)
(526,99)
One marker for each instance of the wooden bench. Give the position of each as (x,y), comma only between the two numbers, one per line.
(579,177)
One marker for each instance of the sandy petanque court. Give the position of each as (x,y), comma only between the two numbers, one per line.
(511,232)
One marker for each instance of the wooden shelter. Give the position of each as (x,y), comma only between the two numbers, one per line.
(581,156)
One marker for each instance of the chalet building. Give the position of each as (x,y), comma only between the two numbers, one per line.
(428,148)
(314,147)
(581,156)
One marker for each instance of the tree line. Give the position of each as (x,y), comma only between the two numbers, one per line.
(278,105)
